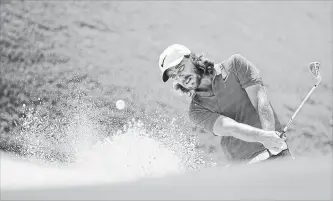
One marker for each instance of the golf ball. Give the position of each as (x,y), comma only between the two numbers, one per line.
(120,104)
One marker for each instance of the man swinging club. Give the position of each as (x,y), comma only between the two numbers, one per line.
(228,100)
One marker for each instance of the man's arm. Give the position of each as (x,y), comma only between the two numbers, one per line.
(259,100)
(221,125)
(225,126)
(250,79)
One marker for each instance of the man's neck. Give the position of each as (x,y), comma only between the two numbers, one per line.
(206,83)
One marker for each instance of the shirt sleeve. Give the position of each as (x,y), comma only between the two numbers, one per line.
(247,73)
(203,117)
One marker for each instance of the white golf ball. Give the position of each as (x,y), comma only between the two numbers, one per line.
(120,104)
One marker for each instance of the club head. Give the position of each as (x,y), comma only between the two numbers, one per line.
(314,69)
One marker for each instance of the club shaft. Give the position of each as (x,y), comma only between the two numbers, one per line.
(299,107)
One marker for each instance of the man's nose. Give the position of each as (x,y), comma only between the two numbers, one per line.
(180,78)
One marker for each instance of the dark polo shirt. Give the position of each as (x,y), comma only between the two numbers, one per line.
(229,98)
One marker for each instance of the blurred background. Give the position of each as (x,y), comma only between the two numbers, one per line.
(64,64)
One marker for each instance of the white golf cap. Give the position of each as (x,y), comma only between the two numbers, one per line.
(170,57)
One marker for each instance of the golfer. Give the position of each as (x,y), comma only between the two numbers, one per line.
(228,99)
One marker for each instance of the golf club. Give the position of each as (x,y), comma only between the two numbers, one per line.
(314,69)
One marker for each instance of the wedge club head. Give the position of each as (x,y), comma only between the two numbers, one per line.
(314,70)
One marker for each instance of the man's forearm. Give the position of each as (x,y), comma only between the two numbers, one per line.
(241,131)
(225,126)
(265,111)
(247,133)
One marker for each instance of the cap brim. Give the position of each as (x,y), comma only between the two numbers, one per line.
(165,76)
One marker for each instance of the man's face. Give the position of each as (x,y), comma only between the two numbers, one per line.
(185,74)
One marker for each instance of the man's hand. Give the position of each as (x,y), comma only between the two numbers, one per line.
(272,141)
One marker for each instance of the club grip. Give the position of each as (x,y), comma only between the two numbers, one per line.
(282,133)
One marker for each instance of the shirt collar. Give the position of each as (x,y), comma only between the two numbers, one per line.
(217,70)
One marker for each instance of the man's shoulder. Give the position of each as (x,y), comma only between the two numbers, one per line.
(236,56)
(238,63)
(232,61)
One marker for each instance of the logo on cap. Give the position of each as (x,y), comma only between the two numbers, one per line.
(163,61)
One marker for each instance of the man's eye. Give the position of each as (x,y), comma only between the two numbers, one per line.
(180,67)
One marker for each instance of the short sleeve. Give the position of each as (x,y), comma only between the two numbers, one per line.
(202,117)
(247,73)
